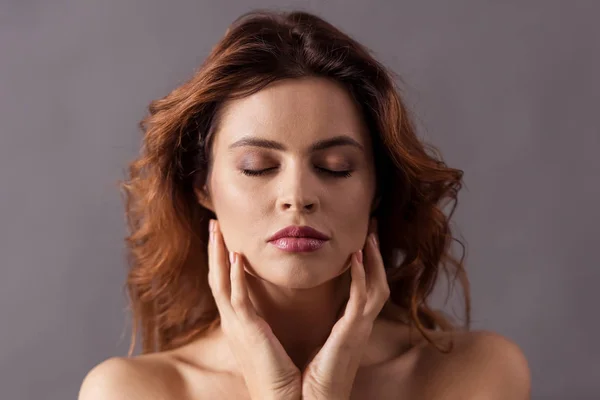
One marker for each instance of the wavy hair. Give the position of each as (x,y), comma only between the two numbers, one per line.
(167,283)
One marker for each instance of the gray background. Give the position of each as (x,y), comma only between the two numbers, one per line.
(508,90)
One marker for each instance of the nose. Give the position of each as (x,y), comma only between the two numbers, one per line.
(298,206)
(298,192)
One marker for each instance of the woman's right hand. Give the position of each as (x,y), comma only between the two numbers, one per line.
(268,371)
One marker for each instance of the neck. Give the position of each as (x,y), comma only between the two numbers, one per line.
(301,319)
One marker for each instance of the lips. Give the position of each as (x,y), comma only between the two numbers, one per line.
(298,232)
(298,239)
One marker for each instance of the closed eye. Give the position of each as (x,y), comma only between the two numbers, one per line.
(337,174)
(252,172)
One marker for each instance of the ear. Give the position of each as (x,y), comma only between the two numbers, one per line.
(203,197)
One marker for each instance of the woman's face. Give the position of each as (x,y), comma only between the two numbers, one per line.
(308,137)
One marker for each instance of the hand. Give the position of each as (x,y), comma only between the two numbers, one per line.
(331,373)
(268,371)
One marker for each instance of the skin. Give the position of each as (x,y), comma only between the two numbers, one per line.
(300,295)
(292,291)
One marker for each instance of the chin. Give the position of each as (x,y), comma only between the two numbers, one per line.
(298,274)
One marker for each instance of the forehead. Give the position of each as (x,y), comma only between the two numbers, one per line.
(296,112)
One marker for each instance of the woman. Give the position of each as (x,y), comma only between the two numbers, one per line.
(286,231)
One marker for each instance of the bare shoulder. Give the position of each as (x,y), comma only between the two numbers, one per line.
(481,365)
(143,377)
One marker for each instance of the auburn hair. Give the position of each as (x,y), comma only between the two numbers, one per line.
(167,282)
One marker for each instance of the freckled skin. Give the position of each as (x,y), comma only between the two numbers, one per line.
(298,294)
(296,113)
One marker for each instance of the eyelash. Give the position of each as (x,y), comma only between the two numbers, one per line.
(336,174)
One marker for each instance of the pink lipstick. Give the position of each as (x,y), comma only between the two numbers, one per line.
(297,239)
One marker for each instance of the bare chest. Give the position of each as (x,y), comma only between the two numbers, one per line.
(385,382)
(389,381)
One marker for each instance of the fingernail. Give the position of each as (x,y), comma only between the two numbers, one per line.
(373,225)
(374,240)
(214,231)
(360,256)
(231,257)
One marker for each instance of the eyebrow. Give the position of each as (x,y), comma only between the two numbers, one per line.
(320,145)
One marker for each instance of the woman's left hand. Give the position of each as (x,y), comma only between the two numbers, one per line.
(331,373)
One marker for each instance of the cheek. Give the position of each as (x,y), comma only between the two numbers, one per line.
(352,213)
(238,210)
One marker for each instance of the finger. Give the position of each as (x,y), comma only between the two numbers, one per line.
(209,253)
(218,271)
(240,301)
(375,269)
(377,285)
(358,288)
(372,226)
(370,256)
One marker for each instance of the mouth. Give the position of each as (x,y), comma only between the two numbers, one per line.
(298,239)
(298,245)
